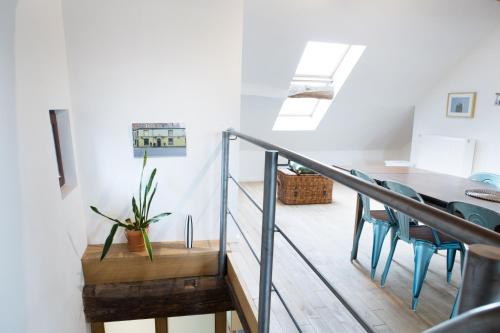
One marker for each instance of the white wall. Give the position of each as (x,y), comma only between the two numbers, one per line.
(186,324)
(131,326)
(358,147)
(258,114)
(410,46)
(192,324)
(54,228)
(11,260)
(478,72)
(153,61)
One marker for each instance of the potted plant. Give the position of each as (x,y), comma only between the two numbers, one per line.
(137,230)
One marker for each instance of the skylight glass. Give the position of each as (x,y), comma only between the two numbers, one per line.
(321,59)
(344,70)
(298,107)
(322,71)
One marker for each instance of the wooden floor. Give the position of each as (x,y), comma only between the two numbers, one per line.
(324,234)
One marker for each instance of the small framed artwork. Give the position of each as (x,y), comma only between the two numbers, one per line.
(497,100)
(159,139)
(461,105)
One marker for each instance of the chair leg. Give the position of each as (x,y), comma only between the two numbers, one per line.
(380,230)
(355,242)
(462,258)
(394,242)
(454,308)
(423,255)
(450,261)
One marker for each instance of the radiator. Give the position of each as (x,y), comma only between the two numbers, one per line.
(449,155)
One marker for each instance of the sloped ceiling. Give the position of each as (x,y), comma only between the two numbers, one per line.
(410,46)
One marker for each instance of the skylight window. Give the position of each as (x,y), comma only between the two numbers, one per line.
(298,106)
(320,59)
(321,73)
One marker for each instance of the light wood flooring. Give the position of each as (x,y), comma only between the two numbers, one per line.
(324,234)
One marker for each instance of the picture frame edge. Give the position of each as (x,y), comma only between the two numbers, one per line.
(471,115)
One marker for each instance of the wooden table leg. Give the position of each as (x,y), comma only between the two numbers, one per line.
(357,220)
(97,327)
(220,322)
(161,325)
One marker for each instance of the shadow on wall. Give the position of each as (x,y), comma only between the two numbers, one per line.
(183,202)
(193,187)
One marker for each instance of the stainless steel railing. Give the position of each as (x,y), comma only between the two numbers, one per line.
(451,225)
(481,319)
(302,256)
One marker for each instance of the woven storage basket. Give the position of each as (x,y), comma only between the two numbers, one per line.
(303,189)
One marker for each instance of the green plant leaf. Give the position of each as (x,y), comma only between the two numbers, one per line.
(151,177)
(109,241)
(129,224)
(144,161)
(147,243)
(95,210)
(159,216)
(146,191)
(148,206)
(137,214)
(155,219)
(147,223)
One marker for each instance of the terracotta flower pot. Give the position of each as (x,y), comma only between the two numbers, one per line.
(135,241)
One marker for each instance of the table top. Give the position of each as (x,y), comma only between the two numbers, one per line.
(445,188)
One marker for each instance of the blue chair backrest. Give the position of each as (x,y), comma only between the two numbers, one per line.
(476,214)
(364,199)
(402,220)
(485,177)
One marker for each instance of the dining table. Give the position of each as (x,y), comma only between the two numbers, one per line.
(436,189)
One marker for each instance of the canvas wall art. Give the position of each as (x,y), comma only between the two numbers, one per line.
(461,105)
(497,100)
(159,139)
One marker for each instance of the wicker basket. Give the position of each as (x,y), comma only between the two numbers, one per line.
(303,189)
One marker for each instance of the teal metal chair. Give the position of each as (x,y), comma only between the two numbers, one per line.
(425,240)
(485,177)
(380,221)
(479,215)
(484,217)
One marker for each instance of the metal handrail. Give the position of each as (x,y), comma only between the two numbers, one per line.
(323,279)
(223,203)
(451,225)
(267,240)
(245,192)
(276,290)
(482,319)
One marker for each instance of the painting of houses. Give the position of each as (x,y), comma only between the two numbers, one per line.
(159,139)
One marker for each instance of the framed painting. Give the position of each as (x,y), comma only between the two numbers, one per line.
(159,139)
(461,105)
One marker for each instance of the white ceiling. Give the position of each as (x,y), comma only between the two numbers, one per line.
(410,46)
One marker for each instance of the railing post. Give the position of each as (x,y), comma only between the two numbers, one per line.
(223,203)
(481,278)
(267,244)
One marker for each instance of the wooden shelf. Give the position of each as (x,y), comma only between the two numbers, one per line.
(171,260)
